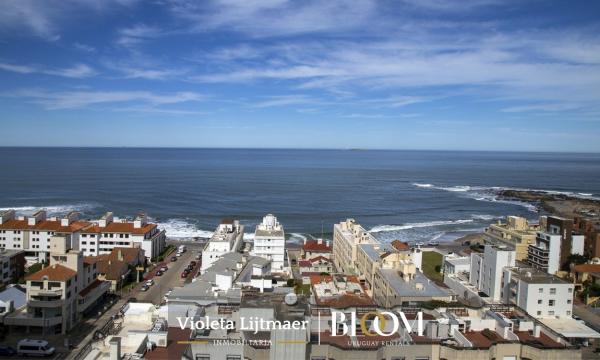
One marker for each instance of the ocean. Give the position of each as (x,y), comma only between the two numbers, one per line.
(406,195)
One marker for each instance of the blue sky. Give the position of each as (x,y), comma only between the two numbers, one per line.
(429,74)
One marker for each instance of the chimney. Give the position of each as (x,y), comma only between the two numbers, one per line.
(68,219)
(6,215)
(39,215)
(536,331)
(115,348)
(105,220)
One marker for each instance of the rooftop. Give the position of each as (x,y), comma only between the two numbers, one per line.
(53,273)
(535,276)
(411,288)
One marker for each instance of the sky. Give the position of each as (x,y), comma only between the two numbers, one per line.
(429,74)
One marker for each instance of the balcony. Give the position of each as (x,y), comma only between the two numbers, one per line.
(26,319)
(45,303)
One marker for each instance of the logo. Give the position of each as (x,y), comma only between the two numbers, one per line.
(374,323)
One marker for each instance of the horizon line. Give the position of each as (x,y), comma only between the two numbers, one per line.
(288,148)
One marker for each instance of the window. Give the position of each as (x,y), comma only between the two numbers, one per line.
(569,301)
(552,291)
(202,357)
(550,312)
(540,301)
(234,357)
(570,290)
(539,313)
(551,302)
(541,290)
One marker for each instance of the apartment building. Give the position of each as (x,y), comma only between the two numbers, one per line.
(590,228)
(100,237)
(347,236)
(228,237)
(486,269)
(59,294)
(32,233)
(12,266)
(538,293)
(515,232)
(269,242)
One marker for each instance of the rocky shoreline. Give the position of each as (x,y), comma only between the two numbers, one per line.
(556,204)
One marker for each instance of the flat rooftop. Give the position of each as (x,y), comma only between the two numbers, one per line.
(535,276)
(409,288)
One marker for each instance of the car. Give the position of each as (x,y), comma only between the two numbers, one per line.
(159,273)
(7,351)
(28,347)
(164,268)
(178,254)
(174,258)
(184,274)
(150,282)
(145,288)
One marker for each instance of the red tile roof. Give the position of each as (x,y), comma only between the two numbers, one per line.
(53,273)
(543,340)
(45,225)
(345,301)
(313,245)
(119,227)
(400,246)
(319,258)
(90,287)
(176,345)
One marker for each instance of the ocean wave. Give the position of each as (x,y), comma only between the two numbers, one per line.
(386,228)
(52,210)
(181,229)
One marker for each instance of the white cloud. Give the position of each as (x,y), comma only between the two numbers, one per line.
(43,18)
(55,100)
(77,71)
(137,34)
(285,100)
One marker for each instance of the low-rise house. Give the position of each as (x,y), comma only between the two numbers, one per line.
(586,273)
(315,248)
(318,264)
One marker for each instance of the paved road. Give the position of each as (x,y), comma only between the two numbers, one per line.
(170,279)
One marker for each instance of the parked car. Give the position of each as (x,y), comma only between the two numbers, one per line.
(159,273)
(144,287)
(27,347)
(7,351)
(150,282)
(174,258)
(184,274)
(164,268)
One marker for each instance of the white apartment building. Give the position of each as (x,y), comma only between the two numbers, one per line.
(59,294)
(347,236)
(101,236)
(545,253)
(540,294)
(32,233)
(228,237)
(269,242)
(487,268)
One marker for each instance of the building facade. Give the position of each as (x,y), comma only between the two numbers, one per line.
(12,266)
(269,242)
(347,236)
(486,269)
(516,232)
(228,237)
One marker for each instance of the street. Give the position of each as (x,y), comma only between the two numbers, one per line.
(170,279)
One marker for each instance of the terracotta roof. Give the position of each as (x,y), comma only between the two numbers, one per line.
(119,227)
(543,340)
(304,263)
(45,225)
(484,338)
(129,254)
(400,246)
(586,268)
(54,273)
(313,245)
(319,258)
(112,270)
(176,346)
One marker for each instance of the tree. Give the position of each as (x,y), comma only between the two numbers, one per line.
(574,259)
